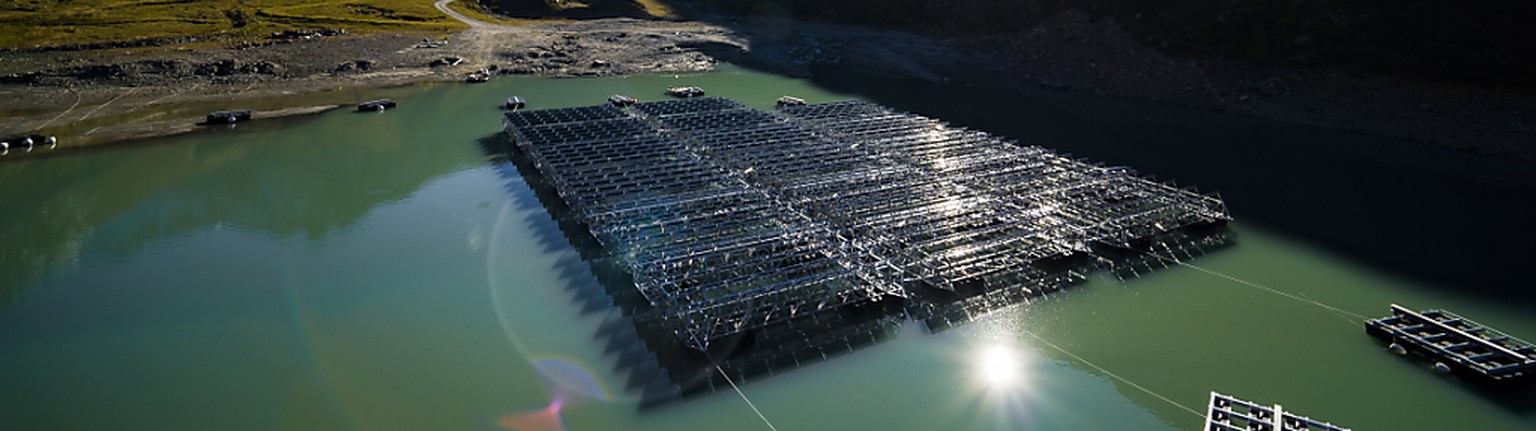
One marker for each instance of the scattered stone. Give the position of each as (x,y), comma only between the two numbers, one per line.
(354,66)
(446,61)
(307,33)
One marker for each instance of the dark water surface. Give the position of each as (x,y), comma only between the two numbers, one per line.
(376,271)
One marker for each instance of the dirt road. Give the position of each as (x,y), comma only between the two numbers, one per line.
(442,5)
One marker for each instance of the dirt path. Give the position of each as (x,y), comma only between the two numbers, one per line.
(442,5)
(478,42)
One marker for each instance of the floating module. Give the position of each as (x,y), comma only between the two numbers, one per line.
(1226,413)
(731,219)
(1458,344)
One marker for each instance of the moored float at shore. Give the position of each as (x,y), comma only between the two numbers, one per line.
(790,101)
(478,76)
(621,100)
(515,103)
(685,92)
(376,105)
(228,117)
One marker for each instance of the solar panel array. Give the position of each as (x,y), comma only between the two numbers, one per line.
(730,218)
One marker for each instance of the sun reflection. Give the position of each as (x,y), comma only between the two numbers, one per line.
(999,366)
(1004,386)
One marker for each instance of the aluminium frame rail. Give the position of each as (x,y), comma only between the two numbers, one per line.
(1228,413)
(1458,342)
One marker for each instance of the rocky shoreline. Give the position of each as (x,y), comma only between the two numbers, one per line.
(75,94)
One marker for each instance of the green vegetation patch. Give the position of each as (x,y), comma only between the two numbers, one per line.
(42,23)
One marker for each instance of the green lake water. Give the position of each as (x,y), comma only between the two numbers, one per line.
(351,271)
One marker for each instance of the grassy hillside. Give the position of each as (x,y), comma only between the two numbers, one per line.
(30,23)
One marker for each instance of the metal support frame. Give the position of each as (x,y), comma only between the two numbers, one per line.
(1227,413)
(1458,342)
(732,219)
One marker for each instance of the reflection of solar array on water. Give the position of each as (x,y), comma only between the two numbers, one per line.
(731,219)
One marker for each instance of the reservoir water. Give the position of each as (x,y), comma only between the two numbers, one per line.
(351,271)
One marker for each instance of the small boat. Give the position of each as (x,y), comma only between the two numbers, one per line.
(621,100)
(515,102)
(685,91)
(791,101)
(375,105)
(228,117)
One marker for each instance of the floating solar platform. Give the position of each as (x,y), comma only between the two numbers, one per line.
(1458,344)
(1227,413)
(731,219)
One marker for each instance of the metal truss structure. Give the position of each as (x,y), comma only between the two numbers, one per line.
(1457,343)
(1227,413)
(732,219)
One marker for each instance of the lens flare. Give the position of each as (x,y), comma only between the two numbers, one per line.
(545,419)
(565,379)
(568,383)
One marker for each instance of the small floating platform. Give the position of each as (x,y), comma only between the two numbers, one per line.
(685,92)
(376,105)
(621,100)
(1456,344)
(228,117)
(791,101)
(515,102)
(1227,413)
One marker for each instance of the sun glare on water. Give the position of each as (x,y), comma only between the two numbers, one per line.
(999,366)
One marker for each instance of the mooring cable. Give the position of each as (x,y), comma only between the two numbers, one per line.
(103,105)
(743,395)
(1341,316)
(66,111)
(1115,376)
(1264,288)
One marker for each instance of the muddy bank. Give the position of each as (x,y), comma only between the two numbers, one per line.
(92,97)
(84,97)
